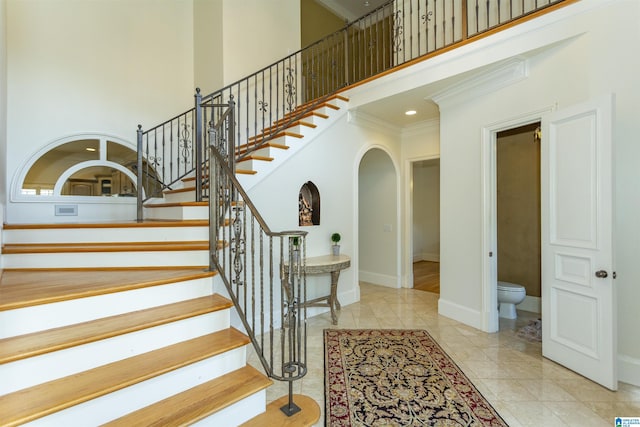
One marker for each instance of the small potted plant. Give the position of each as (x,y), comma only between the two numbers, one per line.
(335,248)
(295,248)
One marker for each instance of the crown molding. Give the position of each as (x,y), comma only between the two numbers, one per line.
(421,127)
(505,74)
(367,120)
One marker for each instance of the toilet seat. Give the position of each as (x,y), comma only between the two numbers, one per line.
(510,287)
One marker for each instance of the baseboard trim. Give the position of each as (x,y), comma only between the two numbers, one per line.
(460,313)
(629,370)
(426,256)
(378,279)
(531,304)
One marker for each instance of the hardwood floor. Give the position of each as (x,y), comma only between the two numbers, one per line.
(426,276)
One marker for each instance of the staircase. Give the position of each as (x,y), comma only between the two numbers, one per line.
(275,144)
(118,323)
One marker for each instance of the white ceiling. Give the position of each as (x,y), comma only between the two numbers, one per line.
(351,10)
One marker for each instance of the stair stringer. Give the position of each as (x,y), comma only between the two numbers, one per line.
(280,157)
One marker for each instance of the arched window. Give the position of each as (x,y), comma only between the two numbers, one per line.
(82,165)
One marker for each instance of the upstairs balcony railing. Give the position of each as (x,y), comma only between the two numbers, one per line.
(268,101)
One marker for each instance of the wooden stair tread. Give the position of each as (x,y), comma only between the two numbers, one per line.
(44,399)
(327,100)
(302,107)
(147,223)
(245,172)
(183,190)
(25,288)
(176,204)
(277,135)
(252,147)
(303,116)
(199,402)
(309,413)
(254,157)
(31,248)
(37,343)
(299,122)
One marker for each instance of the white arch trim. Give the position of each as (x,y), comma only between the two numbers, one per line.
(57,190)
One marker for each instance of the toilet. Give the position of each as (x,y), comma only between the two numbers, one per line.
(509,295)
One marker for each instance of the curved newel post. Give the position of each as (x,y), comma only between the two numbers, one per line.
(294,322)
(139,217)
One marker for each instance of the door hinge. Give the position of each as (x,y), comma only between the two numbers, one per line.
(490,254)
(614,274)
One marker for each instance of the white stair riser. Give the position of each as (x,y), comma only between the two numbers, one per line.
(41,317)
(122,402)
(96,235)
(237,413)
(181,196)
(314,120)
(254,165)
(107,259)
(177,212)
(268,151)
(47,367)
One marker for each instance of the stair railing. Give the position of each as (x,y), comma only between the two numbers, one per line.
(263,270)
(271,100)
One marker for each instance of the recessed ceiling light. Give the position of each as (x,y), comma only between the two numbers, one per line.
(90,149)
(410,112)
(366,4)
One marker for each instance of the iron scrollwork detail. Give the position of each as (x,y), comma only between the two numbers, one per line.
(398,31)
(427,17)
(237,247)
(185,143)
(290,88)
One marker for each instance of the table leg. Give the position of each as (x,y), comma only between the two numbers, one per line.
(334,304)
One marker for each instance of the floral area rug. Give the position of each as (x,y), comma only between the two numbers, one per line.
(397,378)
(532,331)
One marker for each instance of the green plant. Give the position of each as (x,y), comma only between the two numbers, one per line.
(295,241)
(335,238)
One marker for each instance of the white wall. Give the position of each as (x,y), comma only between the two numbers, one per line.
(426,210)
(100,67)
(594,63)
(3,113)
(336,177)
(3,98)
(104,66)
(208,40)
(258,33)
(378,207)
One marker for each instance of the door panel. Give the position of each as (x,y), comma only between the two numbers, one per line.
(578,316)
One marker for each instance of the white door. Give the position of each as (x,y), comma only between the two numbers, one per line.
(578,294)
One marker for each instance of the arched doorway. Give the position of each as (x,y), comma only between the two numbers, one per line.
(378,225)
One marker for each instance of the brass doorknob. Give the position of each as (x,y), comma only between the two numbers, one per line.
(601,274)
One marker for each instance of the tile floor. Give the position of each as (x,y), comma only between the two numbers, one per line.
(525,389)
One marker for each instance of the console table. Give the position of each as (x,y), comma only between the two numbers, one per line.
(332,264)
